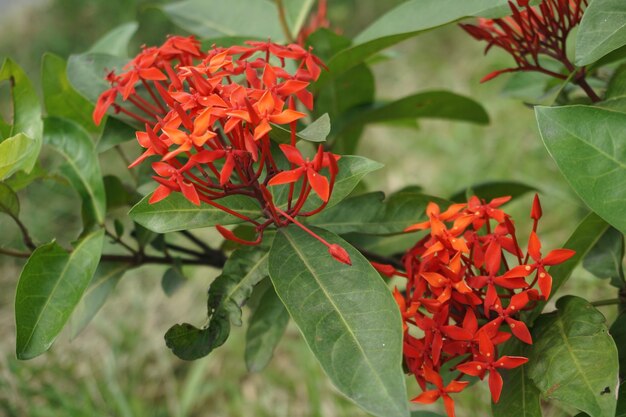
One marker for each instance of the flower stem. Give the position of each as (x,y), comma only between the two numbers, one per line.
(609,302)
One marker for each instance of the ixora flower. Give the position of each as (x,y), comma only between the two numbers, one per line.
(208,116)
(467,281)
(532,34)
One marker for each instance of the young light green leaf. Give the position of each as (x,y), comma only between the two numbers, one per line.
(605,259)
(267,325)
(574,359)
(115,42)
(586,146)
(211,18)
(60,98)
(18,153)
(82,168)
(177,213)
(50,286)
(602,30)
(9,203)
(102,284)
(347,317)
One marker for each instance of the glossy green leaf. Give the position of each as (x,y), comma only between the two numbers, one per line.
(403,22)
(586,145)
(602,30)
(177,213)
(172,280)
(82,167)
(104,281)
(618,332)
(267,325)
(228,293)
(581,241)
(50,286)
(347,317)
(432,104)
(211,18)
(520,397)
(574,359)
(491,190)
(9,203)
(86,73)
(115,132)
(60,98)
(352,214)
(317,131)
(605,259)
(19,152)
(115,42)
(297,12)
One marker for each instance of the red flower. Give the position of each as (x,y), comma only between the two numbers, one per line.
(429,397)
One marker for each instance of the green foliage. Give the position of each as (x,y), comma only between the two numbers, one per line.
(574,359)
(317,131)
(618,333)
(601,31)
(491,190)
(115,42)
(604,260)
(9,203)
(49,289)
(347,317)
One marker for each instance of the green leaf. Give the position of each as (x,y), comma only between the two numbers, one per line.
(228,293)
(403,22)
(9,203)
(115,132)
(116,193)
(618,332)
(5,129)
(297,12)
(115,42)
(177,213)
(621,402)
(211,18)
(432,104)
(585,144)
(602,30)
(347,317)
(574,359)
(86,73)
(604,260)
(172,280)
(50,286)
(60,98)
(617,84)
(317,131)
(82,168)
(581,241)
(20,151)
(22,180)
(266,328)
(351,215)
(491,190)
(104,281)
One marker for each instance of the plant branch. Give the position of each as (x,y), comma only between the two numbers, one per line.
(282,16)
(117,239)
(28,241)
(609,302)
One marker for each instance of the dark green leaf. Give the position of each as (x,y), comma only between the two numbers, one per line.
(585,143)
(9,203)
(574,359)
(404,21)
(143,236)
(172,280)
(582,240)
(266,328)
(82,167)
(177,213)
(107,275)
(190,343)
(317,131)
(602,30)
(211,18)
(327,43)
(297,12)
(50,286)
(86,73)
(116,193)
(59,96)
(604,260)
(115,42)
(618,332)
(491,190)
(617,85)
(119,228)
(621,402)
(432,104)
(347,317)
(115,132)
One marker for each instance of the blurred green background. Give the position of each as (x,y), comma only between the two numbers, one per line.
(120,365)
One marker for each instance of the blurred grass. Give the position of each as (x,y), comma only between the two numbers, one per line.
(120,366)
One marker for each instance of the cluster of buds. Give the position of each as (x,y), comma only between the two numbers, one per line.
(207,116)
(531,32)
(467,281)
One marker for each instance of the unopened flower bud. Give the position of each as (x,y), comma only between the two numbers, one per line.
(339,254)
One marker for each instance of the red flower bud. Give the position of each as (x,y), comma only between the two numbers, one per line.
(339,254)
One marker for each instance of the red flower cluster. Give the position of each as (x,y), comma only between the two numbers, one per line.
(463,296)
(208,115)
(530,32)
